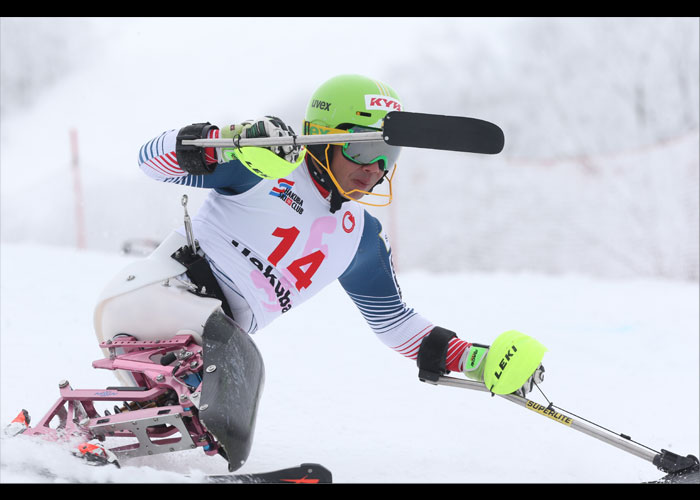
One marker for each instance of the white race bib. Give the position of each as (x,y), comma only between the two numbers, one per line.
(277,244)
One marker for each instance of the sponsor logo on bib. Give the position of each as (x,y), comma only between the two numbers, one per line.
(284,192)
(348,222)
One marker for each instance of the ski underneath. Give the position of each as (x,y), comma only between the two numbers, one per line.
(302,474)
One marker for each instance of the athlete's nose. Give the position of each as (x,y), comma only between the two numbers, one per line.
(372,167)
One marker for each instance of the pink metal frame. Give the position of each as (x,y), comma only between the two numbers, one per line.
(78,419)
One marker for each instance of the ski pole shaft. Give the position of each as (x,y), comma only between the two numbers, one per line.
(297,140)
(576,424)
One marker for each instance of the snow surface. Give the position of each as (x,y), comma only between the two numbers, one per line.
(621,353)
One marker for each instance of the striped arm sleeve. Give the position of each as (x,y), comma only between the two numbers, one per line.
(157,159)
(371,283)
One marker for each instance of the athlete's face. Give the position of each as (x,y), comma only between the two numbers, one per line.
(354,177)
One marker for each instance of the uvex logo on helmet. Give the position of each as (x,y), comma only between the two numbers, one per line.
(317,103)
(382,102)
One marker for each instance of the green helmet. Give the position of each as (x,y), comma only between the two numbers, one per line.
(347,100)
(353,103)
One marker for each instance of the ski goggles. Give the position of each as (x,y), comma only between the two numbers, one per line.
(366,153)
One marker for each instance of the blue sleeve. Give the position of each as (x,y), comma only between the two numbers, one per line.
(228,179)
(371,283)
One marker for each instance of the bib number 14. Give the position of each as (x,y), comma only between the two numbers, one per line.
(303,268)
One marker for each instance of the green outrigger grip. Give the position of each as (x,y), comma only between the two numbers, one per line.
(263,162)
(513,357)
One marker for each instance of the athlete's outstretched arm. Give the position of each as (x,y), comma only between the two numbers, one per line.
(371,283)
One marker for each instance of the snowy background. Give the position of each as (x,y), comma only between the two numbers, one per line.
(582,233)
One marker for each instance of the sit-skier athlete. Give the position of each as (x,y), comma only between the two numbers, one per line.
(269,244)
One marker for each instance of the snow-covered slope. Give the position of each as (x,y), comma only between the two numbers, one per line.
(623,354)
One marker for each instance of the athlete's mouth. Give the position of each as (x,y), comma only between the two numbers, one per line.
(363,184)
